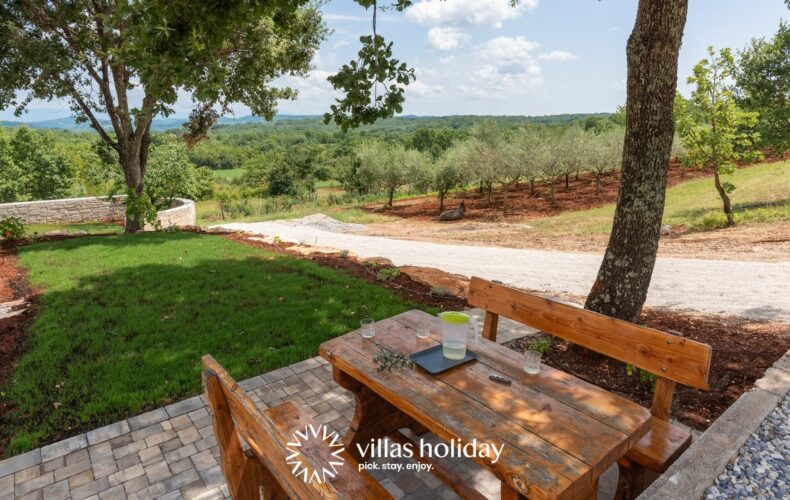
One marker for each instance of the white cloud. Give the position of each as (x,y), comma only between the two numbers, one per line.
(341,43)
(490,13)
(446,38)
(447,60)
(505,64)
(421,89)
(314,87)
(558,55)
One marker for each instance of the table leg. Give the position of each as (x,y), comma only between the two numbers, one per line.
(373,416)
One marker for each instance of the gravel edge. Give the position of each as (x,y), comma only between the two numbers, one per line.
(707,457)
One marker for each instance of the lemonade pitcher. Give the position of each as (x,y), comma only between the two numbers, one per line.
(455,328)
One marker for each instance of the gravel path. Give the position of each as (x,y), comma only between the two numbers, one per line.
(761,469)
(757,290)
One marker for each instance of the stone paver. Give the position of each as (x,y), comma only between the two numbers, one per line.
(171,452)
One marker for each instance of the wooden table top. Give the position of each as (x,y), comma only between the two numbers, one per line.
(560,432)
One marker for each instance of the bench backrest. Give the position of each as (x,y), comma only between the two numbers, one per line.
(672,358)
(235,415)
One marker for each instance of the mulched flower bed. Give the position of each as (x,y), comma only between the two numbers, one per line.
(742,351)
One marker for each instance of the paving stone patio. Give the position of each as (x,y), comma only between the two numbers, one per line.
(171,452)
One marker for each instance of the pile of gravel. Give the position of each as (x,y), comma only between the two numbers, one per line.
(762,468)
(325,223)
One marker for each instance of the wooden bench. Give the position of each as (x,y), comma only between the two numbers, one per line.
(671,358)
(268,464)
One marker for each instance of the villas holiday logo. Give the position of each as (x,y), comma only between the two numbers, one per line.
(297,460)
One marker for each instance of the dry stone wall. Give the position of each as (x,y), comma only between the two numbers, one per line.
(92,209)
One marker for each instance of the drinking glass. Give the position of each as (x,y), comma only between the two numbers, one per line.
(367,329)
(423,332)
(532,362)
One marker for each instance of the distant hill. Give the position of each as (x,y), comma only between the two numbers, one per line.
(315,121)
(159,124)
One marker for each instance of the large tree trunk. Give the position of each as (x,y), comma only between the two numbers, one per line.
(134,159)
(621,287)
(725,199)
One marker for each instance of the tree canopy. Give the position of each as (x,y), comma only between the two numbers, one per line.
(102,54)
(763,86)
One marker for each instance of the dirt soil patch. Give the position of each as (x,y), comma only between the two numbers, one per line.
(13,330)
(401,283)
(759,242)
(742,351)
(13,282)
(579,195)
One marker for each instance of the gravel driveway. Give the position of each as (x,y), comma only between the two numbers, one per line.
(756,290)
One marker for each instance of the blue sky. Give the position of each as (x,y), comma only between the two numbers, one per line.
(485,57)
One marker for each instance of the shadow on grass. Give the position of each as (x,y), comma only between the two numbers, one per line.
(698,213)
(114,344)
(115,240)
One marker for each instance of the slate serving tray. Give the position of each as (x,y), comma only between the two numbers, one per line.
(433,361)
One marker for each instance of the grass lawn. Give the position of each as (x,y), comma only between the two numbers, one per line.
(89,227)
(123,321)
(208,213)
(762,195)
(229,173)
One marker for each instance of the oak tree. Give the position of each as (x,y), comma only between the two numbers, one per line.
(620,289)
(129,61)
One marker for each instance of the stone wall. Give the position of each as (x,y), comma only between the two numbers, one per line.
(93,209)
(180,215)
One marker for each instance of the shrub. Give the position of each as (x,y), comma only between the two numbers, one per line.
(540,344)
(11,228)
(388,274)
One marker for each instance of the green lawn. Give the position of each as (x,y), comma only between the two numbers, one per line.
(208,213)
(229,173)
(762,195)
(88,227)
(123,321)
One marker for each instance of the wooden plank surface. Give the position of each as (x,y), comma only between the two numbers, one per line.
(259,432)
(547,418)
(560,432)
(349,481)
(676,358)
(531,465)
(611,409)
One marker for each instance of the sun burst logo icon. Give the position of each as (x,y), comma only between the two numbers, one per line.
(297,459)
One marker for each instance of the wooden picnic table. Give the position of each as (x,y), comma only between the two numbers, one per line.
(560,432)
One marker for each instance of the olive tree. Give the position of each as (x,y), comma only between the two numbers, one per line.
(605,153)
(552,147)
(130,61)
(715,131)
(449,171)
(527,144)
(388,166)
(485,156)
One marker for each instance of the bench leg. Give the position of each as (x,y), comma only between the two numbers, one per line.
(633,479)
(373,416)
(271,488)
